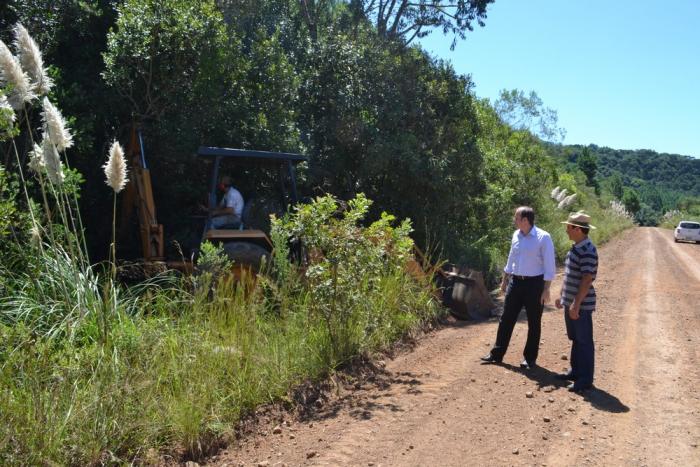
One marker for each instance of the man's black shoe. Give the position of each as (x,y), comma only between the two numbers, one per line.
(525,365)
(579,388)
(569,376)
(491,359)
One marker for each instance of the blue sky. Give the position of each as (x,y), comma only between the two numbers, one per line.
(620,73)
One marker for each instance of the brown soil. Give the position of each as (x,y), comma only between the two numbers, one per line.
(437,405)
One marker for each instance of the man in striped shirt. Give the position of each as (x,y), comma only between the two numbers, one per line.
(578,299)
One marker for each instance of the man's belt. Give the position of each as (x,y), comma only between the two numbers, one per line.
(528,278)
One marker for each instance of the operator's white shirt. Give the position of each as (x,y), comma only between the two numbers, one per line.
(233,199)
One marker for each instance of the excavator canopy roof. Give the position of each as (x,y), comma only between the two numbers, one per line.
(251,156)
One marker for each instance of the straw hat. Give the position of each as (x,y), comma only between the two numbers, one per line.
(579,219)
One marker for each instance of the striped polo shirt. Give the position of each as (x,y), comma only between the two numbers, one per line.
(581,259)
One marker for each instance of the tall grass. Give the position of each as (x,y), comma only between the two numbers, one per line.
(186,358)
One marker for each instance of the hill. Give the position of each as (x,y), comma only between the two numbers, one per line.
(668,172)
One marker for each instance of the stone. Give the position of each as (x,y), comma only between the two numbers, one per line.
(516,451)
(277,430)
(529,395)
(546,419)
(311,454)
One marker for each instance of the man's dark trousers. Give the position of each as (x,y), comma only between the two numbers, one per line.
(521,292)
(580,332)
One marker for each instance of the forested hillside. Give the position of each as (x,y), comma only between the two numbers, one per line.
(671,172)
(652,185)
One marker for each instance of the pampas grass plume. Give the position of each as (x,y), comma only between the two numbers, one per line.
(5,105)
(561,195)
(566,202)
(35,236)
(55,126)
(115,168)
(11,74)
(36,159)
(31,61)
(54,166)
(555,193)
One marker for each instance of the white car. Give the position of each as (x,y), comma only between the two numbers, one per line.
(687,230)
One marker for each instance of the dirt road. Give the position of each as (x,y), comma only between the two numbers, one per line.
(437,405)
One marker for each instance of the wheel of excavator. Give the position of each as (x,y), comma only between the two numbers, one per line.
(246,254)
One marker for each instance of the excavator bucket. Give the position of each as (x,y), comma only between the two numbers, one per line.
(463,290)
(466,295)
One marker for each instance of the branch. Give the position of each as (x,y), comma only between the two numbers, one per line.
(381,21)
(414,34)
(397,18)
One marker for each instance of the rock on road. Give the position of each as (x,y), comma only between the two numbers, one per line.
(437,405)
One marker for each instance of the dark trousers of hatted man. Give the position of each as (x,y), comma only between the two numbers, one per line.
(580,332)
(522,292)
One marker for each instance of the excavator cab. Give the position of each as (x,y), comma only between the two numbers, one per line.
(247,244)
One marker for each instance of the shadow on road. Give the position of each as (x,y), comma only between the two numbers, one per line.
(605,401)
(363,397)
(597,397)
(453,322)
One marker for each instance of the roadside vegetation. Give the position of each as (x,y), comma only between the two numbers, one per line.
(94,371)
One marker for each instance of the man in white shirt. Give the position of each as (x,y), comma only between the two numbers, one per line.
(230,209)
(526,280)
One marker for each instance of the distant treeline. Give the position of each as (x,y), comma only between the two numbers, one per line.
(670,172)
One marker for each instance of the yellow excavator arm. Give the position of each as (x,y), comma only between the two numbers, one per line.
(139,196)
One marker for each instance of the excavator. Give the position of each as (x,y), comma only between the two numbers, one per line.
(246,244)
(462,290)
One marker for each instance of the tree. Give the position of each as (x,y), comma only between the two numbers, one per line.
(408,19)
(631,201)
(587,164)
(396,125)
(523,112)
(650,196)
(647,216)
(514,163)
(161,50)
(616,187)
